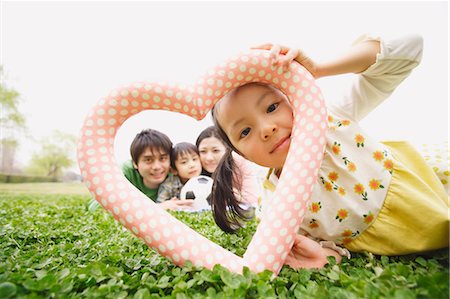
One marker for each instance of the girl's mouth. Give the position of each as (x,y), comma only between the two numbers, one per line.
(284,142)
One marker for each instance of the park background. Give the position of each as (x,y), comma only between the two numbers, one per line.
(62,57)
(59,58)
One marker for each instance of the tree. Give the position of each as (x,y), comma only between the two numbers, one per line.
(12,123)
(56,154)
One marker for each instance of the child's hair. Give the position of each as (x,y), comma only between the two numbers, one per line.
(227,212)
(152,139)
(181,149)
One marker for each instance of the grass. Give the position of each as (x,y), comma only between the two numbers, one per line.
(52,247)
(45,188)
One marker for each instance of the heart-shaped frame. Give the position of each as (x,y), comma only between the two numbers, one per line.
(274,236)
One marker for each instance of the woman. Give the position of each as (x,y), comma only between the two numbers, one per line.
(212,149)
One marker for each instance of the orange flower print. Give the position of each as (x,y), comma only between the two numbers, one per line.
(368,218)
(345,122)
(347,233)
(333,176)
(330,118)
(359,140)
(378,156)
(351,167)
(328,186)
(336,148)
(345,241)
(313,224)
(315,207)
(375,184)
(389,165)
(341,191)
(341,214)
(358,188)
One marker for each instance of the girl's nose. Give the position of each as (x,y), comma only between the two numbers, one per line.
(268,130)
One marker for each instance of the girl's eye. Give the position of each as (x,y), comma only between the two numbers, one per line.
(272,107)
(245,132)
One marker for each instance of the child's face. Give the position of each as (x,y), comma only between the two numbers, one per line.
(258,121)
(188,165)
(153,165)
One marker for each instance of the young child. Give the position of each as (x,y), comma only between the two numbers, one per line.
(377,197)
(185,163)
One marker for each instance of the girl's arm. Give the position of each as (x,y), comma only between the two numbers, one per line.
(359,58)
(382,64)
(356,60)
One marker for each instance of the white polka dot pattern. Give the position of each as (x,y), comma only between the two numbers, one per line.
(170,237)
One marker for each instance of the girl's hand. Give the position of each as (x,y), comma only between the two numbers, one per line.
(307,253)
(287,55)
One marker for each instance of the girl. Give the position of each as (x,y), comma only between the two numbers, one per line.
(212,149)
(369,196)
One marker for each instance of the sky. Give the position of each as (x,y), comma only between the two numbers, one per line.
(63,57)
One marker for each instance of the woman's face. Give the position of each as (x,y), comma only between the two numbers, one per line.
(211,151)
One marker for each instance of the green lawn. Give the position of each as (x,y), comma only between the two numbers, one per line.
(52,247)
(45,188)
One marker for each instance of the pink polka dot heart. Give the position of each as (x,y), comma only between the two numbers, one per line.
(170,237)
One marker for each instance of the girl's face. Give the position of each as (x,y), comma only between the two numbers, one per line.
(188,166)
(258,121)
(211,151)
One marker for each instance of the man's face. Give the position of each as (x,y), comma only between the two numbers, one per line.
(153,165)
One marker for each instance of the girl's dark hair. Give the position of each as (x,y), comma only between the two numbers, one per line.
(227,212)
(152,139)
(181,149)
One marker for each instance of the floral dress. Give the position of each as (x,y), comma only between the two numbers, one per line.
(366,193)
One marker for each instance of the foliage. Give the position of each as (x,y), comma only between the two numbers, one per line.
(55,155)
(51,246)
(9,102)
(17,178)
(12,122)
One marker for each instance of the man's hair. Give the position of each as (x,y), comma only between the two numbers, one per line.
(181,149)
(152,139)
